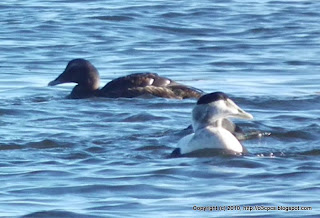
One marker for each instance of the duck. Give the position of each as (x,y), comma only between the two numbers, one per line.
(207,122)
(86,76)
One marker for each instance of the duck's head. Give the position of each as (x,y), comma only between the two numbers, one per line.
(214,107)
(79,71)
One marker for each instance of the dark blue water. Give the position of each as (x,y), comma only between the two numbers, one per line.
(109,157)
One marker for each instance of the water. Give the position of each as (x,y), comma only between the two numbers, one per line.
(109,157)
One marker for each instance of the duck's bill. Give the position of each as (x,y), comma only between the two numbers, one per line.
(59,80)
(244,115)
(54,82)
(238,112)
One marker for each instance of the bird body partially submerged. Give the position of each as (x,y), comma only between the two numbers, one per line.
(86,76)
(207,122)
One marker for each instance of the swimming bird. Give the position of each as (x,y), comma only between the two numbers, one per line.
(86,76)
(207,117)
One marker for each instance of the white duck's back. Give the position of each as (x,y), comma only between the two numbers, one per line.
(210,137)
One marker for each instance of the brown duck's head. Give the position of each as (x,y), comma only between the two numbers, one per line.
(79,71)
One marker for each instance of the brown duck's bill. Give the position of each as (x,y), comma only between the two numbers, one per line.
(56,82)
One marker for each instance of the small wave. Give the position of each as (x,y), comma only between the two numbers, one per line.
(47,173)
(289,153)
(245,163)
(43,144)
(293,135)
(304,102)
(116,18)
(314,152)
(262,30)
(9,112)
(57,214)
(142,117)
(178,30)
(10,146)
(78,155)
(173,14)
(301,63)
(150,147)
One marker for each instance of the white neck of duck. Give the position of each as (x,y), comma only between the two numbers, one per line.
(203,116)
(207,121)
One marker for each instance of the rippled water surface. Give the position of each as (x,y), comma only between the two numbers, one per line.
(103,157)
